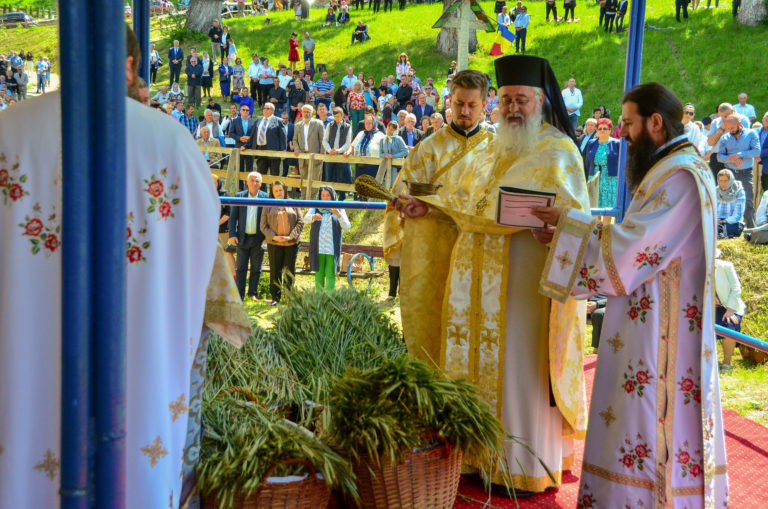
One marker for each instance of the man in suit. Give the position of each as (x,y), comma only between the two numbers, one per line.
(268,134)
(410,135)
(308,139)
(422,108)
(206,140)
(277,96)
(194,80)
(241,129)
(590,129)
(175,58)
(244,232)
(289,127)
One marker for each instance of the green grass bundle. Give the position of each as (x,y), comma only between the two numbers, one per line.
(322,334)
(386,412)
(242,440)
(256,367)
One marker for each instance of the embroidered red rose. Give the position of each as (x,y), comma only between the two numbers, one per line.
(633,312)
(642,377)
(698,323)
(629,386)
(697,396)
(641,451)
(51,242)
(155,188)
(583,272)
(653,259)
(33,227)
(3,177)
(164,209)
(640,258)
(586,501)
(683,458)
(16,192)
(645,303)
(686,385)
(695,470)
(591,284)
(691,312)
(134,254)
(628,460)
(128,232)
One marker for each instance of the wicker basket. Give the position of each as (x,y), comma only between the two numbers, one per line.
(309,493)
(424,479)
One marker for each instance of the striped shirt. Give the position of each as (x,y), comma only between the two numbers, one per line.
(732,211)
(324,86)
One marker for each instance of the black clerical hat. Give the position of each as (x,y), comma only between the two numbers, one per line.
(534,71)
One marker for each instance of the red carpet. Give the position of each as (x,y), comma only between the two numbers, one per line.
(746,444)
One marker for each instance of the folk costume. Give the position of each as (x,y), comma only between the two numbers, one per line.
(423,245)
(521,349)
(656,429)
(170,248)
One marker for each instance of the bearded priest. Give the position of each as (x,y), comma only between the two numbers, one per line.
(521,349)
(655,435)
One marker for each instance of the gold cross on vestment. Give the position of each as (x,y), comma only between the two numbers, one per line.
(49,465)
(615,343)
(607,416)
(155,451)
(480,206)
(177,408)
(565,260)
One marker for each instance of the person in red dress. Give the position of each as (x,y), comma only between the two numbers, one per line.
(293,52)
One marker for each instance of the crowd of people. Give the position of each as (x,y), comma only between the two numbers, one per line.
(15,71)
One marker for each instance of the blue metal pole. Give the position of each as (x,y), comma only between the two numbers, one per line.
(363,205)
(631,78)
(76,259)
(106,66)
(141,28)
(742,338)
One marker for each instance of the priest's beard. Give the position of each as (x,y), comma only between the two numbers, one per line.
(518,139)
(640,158)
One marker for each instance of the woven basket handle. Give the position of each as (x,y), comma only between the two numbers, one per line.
(440,438)
(294,461)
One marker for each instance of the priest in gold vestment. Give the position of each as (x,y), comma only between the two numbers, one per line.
(521,349)
(422,246)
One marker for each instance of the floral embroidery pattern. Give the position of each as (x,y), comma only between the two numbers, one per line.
(11,181)
(586,500)
(598,230)
(690,389)
(639,308)
(45,236)
(628,505)
(633,455)
(161,197)
(154,451)
(650,256)
(636,382)
(587,278)
(709,427)
(135,243)
(693,314)
(49,465)
(689,464)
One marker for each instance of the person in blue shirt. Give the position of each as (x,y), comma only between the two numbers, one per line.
(225,76)
(392,146)
(244,100)
(730,205)
(522,21)
(762,136)
(738,148)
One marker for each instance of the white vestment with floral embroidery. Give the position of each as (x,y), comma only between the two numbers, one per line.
(655,435)
(172,212)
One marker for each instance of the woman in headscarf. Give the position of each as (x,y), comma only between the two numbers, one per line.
(176,94)
(367,143)
(731,200)
(325,240)
(207,76)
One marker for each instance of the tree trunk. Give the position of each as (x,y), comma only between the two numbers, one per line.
(201,13)
(448,38)
(751,12)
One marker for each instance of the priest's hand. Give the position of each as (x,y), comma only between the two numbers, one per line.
(543,235)
(549,215)
(410,206)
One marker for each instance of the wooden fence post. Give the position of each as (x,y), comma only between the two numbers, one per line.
(310,167)
(232,185)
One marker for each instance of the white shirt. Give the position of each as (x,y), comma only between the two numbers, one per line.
(573,99)
(254,70)
(306,135)
(503,19)
(348,81)
(251,222)
(695,136)
(728,287)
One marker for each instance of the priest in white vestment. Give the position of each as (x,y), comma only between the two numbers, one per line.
(171,211)
(655,435)
(521,349)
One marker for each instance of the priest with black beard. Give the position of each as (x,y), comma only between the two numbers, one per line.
(655,435)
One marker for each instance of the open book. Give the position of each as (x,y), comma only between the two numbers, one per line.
(514,206)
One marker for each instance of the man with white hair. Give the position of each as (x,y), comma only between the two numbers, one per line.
(745,109)
(521,349)
(410,135)
(205,140)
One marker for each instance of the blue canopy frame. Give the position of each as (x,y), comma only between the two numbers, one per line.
(93,254)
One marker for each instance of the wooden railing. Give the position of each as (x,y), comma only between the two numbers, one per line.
(233,172)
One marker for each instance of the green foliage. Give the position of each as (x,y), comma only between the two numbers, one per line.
(173,27)
(751,264)
(387,411)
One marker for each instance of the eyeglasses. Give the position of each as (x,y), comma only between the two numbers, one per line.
(689,113)
(603,129)
(521,101)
